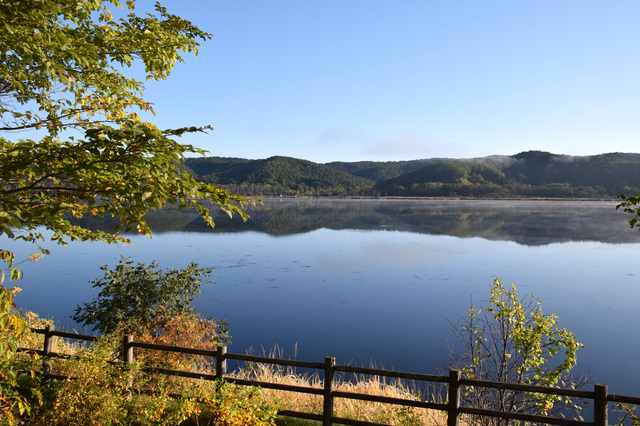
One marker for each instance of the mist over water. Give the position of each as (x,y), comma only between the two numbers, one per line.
(374,281)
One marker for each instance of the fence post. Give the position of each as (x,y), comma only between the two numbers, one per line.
(127,357)
(127,349)
(600,411)
(47,350)
(329,372)
(454,398)
(221,362)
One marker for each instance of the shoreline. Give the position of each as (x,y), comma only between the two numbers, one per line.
(398,197)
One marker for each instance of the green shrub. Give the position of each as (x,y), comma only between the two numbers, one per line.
(133,295)
(232,405)
(101,390)
(17,371)
(512,341)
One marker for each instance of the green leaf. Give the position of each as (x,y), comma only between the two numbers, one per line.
(16,274)
(4,321)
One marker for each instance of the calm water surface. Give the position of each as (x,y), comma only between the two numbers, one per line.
(371,281)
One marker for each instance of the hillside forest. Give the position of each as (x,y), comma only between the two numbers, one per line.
(532,174)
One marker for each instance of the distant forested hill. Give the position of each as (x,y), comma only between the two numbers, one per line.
(380,171)
(527,174)
(277,175)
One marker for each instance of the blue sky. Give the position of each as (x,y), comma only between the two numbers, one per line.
(350,80)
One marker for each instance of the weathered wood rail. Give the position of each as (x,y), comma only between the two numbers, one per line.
(599,396)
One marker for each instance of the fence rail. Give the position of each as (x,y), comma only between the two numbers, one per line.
(454,382)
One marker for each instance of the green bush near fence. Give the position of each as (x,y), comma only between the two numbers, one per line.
(101,391)
(131,295)
(16,372)
(106,394)
(510,340)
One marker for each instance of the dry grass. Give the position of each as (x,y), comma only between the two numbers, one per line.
(35,341)
(346,408)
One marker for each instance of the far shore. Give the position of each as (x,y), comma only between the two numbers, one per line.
(394,197)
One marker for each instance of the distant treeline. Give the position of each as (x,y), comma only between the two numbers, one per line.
(529,174)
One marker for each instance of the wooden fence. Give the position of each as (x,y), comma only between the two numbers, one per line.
(599,396)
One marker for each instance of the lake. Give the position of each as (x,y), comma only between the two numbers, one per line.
(372,282)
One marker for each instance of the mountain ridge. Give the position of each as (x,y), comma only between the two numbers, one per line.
(526,174)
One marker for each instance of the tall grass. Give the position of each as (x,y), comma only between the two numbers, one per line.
(346,408)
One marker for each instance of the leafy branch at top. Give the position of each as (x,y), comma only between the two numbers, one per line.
(64,67)
(62,61)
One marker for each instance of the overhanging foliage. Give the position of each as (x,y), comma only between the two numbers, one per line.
(62,69)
